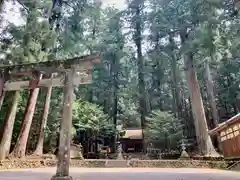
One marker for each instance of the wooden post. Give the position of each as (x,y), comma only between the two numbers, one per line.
(65,131)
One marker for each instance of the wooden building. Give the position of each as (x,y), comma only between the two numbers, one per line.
(132,141)
(229,137)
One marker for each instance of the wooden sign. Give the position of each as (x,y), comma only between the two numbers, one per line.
(54,82)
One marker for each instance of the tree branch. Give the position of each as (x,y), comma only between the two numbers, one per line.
(23,5)
(66,3)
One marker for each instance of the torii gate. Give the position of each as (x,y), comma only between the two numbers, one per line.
(67,74)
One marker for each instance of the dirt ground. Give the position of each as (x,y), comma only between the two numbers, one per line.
(123,174)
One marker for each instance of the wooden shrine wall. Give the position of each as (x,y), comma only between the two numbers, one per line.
(230,141)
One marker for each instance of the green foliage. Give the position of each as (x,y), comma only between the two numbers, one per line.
(88,116)
(163,130)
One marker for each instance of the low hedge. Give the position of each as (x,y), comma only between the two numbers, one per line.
(22,164)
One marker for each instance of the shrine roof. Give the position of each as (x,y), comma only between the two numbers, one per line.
(225,124)
(133,134)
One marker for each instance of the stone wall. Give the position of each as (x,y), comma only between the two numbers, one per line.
(17,164)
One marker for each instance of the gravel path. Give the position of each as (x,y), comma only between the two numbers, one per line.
(123,174)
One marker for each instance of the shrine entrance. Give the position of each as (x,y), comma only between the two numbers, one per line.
(63,73)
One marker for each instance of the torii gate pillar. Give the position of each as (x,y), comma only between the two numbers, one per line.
(76,71)
(65,129)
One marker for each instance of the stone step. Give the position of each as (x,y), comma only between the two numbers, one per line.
(117,164)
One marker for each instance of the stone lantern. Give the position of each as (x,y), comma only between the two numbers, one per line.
(120,134)
(184,154)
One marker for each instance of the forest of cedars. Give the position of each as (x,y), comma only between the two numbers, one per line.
(171,67)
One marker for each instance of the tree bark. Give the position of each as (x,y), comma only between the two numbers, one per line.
(2,92)
(140,63)
(204,141)
(39,148)
(211,96)
(174,104)
(20,147)
(175,80)
(91,50)
(2,99)
(8,128)
(1,5)
(2,96)
(115,87)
